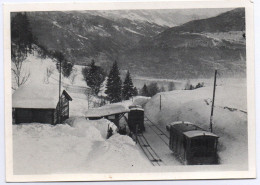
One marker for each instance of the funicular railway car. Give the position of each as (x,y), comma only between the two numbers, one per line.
(191,144)
(136,119)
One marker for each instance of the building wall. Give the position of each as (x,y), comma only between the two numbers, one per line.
(64,110)
(24,115)
(28,115)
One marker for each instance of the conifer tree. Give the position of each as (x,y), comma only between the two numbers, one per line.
(128,87)
(94,77)
(162,89)
(153,89)
(66,67)
(144,91)
(135,91)
(114,85)
(171,86)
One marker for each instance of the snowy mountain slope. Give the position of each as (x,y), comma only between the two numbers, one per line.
(233,20)
(37,68)
(230,117)
(142,38)
(83,36)
(193,50)
(163,17)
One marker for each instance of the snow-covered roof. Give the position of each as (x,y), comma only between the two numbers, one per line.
(106,110)
(180,122)
(136,107)
(184,126)
(195,133)
(37,95)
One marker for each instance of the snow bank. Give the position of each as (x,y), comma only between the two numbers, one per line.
(141,100)
(78,105)
(120,154)
(230,118)
(75,147)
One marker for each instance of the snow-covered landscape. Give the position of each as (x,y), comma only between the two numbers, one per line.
(88,128)
(80,145)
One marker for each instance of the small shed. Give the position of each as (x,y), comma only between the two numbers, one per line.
(112,112)
(39,103)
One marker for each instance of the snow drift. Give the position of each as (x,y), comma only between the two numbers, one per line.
(75,147)
(230,116)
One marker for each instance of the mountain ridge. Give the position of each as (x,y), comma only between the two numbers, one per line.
(190,50)
(185,52)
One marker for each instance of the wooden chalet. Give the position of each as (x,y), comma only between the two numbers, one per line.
(39,103)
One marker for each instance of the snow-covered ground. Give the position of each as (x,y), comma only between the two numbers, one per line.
(80,145)
(37,68)
(230,117)
(76,147)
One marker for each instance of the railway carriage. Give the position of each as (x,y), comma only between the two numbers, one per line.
(136,119)
(191,144)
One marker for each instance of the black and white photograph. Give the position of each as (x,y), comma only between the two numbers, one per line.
(129,91)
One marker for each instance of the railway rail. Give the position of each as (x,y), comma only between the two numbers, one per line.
(149,151)
(162,135)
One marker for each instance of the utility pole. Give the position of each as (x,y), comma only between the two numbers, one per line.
(59,94)
(88,101)
(160,102)
(213,100)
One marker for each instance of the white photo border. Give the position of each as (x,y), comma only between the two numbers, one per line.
(190,173)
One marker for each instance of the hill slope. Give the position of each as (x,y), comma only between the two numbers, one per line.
(83,36)
(191,51)
(144,47)
(233,20)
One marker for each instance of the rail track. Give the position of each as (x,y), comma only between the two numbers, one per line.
(149,151)
(162,135)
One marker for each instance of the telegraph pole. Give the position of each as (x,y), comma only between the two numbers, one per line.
(160,102)
(59,93)
(88,101)
(213,100)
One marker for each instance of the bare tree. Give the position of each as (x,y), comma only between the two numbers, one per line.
(21,44)
(73,76)
(20,75)
(49,72)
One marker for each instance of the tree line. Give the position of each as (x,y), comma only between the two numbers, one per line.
(153,88)
(116,90)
